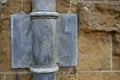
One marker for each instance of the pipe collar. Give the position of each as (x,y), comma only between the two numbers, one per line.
(44,14)
(45,70)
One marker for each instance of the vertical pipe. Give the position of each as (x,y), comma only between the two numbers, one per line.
(43,17)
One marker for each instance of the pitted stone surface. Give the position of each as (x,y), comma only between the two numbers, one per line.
(99,16)
(21,40)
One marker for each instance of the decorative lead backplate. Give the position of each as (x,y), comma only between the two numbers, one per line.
(66,40)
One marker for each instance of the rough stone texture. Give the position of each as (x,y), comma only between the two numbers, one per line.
(100,76)
(89,76)
(10,77)
(116,63)
(15,6)
(2,77)
(18,77)
(94,50)
(67,69)
(99,16)
(112,76)
(63,6)
(25,77)
(67,76)
(116,44)
(4,51)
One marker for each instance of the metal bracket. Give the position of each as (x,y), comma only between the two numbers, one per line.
(66,40)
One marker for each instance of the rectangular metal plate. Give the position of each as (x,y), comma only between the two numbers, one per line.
(21,40)
(66,38)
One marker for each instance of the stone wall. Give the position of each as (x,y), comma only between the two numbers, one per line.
(98,39)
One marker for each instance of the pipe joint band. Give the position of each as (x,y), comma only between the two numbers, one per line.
(45,70)
(44,14)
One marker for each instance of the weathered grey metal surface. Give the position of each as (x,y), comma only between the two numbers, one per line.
(44,14)
(66,36)
(50,76)
(44,5)
(43,51)
(21,40)
(44,69)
